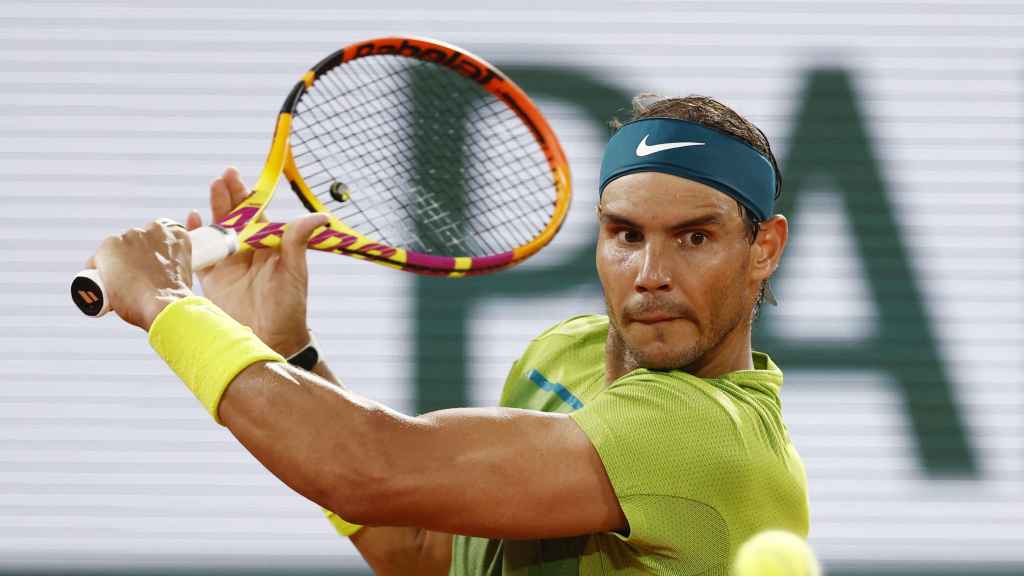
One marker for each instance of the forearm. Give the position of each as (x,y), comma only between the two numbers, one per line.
(398,550)
(319,438)
(324,371)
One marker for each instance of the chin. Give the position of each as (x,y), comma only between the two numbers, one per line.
(666,349)
(664,359)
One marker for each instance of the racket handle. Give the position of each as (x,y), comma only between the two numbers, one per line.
(87,293)
(210,244)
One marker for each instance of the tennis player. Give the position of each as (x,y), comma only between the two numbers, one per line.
(645,441)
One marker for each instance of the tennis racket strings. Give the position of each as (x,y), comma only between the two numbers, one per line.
(421,157)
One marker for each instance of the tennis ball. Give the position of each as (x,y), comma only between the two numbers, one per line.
(775,553)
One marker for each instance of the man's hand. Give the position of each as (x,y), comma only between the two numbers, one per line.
(144,270)
(263,289)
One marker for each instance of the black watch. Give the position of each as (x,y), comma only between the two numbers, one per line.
(307,357)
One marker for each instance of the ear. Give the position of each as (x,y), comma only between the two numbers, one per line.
(767,249)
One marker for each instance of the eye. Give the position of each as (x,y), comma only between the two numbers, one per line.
(629,236)
(695,238)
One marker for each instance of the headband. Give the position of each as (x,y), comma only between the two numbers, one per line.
(695,152)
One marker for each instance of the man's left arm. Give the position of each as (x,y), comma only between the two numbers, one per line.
(491,472)
(494,472)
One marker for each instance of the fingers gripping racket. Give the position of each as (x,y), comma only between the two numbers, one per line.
(426,158)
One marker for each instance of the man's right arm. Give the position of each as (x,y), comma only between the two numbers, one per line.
(399,549)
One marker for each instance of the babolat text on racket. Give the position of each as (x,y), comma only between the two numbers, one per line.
(425,157)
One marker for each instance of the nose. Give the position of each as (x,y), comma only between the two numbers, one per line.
(654,274)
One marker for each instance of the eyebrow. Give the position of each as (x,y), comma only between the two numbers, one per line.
(706,219)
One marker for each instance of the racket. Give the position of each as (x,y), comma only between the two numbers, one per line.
(425,157)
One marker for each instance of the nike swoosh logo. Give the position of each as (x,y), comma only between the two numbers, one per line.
(644,149)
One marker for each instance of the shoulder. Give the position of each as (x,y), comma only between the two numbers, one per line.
(560,368)
(671,427)
(578,338)
(583,326)
(677,446)
(675,403)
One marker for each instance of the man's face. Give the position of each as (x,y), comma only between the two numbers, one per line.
(673,256)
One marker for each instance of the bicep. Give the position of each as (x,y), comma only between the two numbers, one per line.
(496,473)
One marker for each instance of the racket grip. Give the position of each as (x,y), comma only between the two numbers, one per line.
(210,244)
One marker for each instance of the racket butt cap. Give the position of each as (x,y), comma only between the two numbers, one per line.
(87,293)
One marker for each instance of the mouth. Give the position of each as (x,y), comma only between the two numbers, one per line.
(653,319)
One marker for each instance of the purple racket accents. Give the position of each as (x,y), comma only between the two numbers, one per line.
(496,261)
(239,217)
(445,264)
(272,229)
(429,262)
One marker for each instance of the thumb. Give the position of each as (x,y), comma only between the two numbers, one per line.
(293,243)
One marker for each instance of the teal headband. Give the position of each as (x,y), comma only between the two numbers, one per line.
(695,152)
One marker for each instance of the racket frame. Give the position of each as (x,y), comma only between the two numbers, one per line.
(336,236)
(243,229)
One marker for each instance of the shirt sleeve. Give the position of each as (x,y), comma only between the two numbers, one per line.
(510,382)
(673,449)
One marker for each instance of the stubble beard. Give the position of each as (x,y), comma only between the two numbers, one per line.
(681,358)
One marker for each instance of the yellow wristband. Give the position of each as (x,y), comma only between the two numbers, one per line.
(343,528)
(205,347)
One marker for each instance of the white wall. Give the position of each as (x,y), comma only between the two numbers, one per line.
(112,113)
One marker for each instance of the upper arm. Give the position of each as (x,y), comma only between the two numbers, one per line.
(493,472)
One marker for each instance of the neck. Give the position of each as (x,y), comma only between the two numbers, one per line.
(617,360)
(731,353)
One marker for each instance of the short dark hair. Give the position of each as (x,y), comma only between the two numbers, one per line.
(711,113)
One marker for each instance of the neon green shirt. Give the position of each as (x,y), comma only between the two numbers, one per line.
(698,465)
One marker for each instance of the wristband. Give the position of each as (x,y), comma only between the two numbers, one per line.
(343,528)
(206,348)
